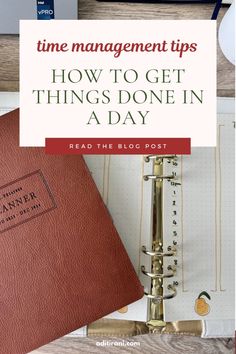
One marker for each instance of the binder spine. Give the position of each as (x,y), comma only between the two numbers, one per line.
(157,294)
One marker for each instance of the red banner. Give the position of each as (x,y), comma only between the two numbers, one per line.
(118,146)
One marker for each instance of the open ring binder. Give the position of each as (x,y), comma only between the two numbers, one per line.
(157,294)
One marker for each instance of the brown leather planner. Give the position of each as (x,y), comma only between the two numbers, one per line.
(62,263)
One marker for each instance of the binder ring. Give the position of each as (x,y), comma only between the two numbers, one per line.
(153,157)
(165,297)
(159,254)
(156,275)
(158,177)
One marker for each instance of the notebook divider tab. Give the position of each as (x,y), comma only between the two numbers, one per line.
(158,273)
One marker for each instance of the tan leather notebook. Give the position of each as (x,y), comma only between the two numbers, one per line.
(62,262)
